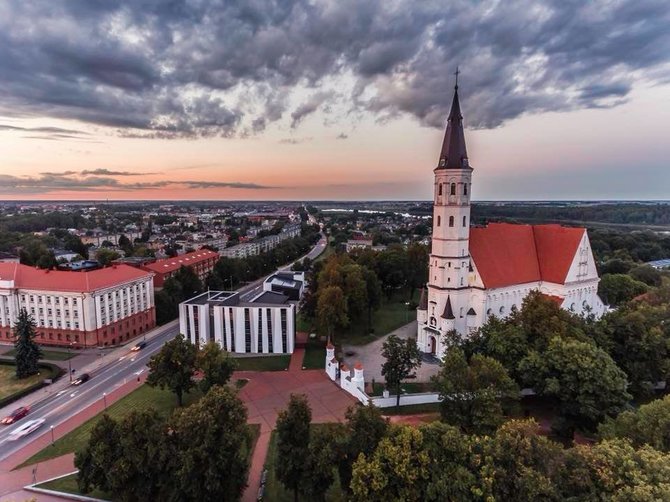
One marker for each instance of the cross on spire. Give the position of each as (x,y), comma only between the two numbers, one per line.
(457,73)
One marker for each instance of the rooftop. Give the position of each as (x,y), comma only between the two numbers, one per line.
(172,264)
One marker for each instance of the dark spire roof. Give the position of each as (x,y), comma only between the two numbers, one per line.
(448,312)
(423,301)
(453,154)
(472,311)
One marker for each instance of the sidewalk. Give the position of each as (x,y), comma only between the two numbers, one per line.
(64,382)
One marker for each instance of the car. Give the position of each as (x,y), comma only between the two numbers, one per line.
(84,377)
(25,429)
(15,415)
(139,346)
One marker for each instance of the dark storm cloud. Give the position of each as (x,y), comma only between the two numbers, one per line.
(225,68)
(78,182)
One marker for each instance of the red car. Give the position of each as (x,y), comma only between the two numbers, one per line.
(15,415)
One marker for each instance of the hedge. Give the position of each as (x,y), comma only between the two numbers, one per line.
(55,373)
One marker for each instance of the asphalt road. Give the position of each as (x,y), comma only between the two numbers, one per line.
(59,407)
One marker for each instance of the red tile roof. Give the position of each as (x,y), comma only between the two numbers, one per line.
(507,254)
(27,277)
(172,264)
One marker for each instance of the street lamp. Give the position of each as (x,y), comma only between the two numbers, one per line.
(52,434)
(104,398)
(69,363)
(406,312)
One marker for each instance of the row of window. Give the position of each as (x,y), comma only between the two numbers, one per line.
(451,221)
(452,188)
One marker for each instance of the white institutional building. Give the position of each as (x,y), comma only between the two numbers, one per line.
(476,272)
(84,309)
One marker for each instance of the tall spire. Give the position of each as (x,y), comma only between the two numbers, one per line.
(453,154)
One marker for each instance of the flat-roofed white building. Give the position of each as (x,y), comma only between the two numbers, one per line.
(264,325)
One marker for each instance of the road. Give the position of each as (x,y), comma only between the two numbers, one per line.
(58,408)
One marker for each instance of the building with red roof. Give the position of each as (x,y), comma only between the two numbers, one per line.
(79,309)
(201,262)
(477,272)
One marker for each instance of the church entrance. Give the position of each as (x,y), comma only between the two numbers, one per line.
(433,345)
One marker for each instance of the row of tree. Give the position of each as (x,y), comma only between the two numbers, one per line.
(377,461)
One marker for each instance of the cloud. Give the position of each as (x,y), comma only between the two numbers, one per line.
(192,69)
(70,181)
(295,141)
(108,172)
(342,136)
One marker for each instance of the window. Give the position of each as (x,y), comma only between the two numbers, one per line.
(438,221)
(439,189)
(259,330)
(270,338)
(453,189)
(451,221)
(465,188)
(284,330)
(464,221)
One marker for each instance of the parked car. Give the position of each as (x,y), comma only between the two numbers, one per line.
(139,346)
(15,415)
(84,377)
(25,429)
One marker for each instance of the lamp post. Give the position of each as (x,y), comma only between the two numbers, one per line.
(104,398)
(406,312)
(52,434)
(69,363)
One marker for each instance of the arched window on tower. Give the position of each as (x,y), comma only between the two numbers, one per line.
(465,188)
(451,221)
(439,189)
(453,189)
(464,221)
(438,220)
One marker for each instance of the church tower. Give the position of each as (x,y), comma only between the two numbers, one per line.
(445,306)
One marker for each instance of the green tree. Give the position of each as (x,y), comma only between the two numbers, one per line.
(615,289)
(174,366)
(331,310)
(365,428)
(374,293)
(101,452)
(215,363)
(106,256)
(474,393)
(402,358)
(28,352)
(319,472)
(397,470)
(583,378)
(417,267)
(209,447)
(190,283)
(649,424)
(647,274)
(293,436)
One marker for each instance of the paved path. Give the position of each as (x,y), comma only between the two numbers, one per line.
(268,392)
(370,356)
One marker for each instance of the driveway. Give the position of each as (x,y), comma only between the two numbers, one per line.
(370,356)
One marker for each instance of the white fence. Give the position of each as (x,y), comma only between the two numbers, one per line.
(406,399)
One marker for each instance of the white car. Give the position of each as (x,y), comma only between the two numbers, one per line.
(25,429)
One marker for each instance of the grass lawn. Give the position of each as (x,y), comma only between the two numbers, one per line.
(315,354)
(413,409)
(163,401)
(275,491)
(407,388)
(9,384)
(50,355)
(68,484)
(268,363)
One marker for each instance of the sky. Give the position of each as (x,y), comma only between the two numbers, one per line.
(332,100)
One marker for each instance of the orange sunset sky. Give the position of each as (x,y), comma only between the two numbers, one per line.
(111,102)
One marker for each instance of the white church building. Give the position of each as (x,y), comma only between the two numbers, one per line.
(476,272)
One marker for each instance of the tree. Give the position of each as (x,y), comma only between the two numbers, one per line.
(215,363)
(396,471)
(28,352)
(649,424)
(616,289)
(209,447)
(331,310)
(473,393)
(293,437)
(582,377)
(417,267)
(402,358)
(174,366)
(319,472)
(374,293)
(365,428)
(190,283)
(106,256)
(124,458)
(646,274)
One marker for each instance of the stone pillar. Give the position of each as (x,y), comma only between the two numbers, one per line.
(358,379)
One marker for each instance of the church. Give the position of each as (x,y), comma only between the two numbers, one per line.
(476,272)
